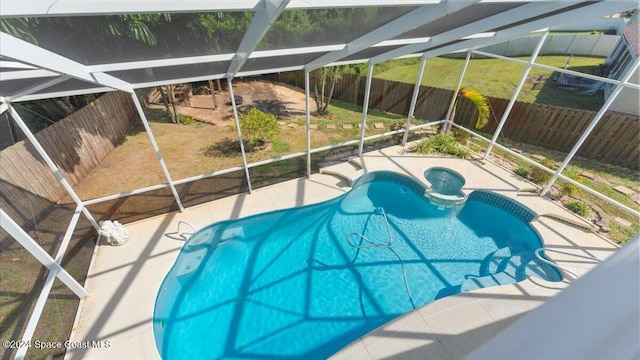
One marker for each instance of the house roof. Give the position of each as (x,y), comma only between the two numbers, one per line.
(631,32)
(69,47)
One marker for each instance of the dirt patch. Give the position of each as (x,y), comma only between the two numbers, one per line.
(284,101)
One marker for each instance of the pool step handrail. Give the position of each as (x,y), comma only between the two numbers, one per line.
(555,264)
(182,234)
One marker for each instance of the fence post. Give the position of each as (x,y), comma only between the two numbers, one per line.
(507,111)
(593,124)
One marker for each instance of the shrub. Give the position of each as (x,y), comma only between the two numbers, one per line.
(443,144)
(461,136)
(569,189)
(579,207)
(258,127)
(397,138)
(522,171)
(538,175)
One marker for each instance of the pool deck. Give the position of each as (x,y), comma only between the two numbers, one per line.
(123,281)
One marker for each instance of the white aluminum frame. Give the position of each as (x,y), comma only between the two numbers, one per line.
(414,99)
(365,107)
(394,28)
(34,62)
(514,97)
(38,252)
(52,166)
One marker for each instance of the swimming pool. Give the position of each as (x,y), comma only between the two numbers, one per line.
(305,282)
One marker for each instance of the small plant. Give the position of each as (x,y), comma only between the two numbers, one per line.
(443,144)
(539,176)
(258,128)
(187,120)
(397,138)
(579,207)
(461,136)
(567,188)
(522,171)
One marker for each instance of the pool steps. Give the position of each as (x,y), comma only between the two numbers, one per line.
(347,171)
(501,268)
(492,262)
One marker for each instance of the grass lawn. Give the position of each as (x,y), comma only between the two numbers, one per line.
(498,78)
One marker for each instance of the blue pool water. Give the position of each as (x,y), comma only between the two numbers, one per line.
(287,284)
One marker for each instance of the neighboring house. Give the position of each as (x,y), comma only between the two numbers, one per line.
(619,61)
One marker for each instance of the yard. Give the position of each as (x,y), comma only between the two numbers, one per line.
(499,78)
(209,143)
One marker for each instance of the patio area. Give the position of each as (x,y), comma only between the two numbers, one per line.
(123,281)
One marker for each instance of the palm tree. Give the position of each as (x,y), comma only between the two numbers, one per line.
(481,103)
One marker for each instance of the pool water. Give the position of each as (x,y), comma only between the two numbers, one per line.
(287,284)
(444,181)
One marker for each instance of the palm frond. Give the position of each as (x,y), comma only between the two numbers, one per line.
(481,104)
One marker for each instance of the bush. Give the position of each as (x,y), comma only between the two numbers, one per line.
(538,175)
(522,171)
(579,207)
(443,144)
(569,189)
(258,127)
(461,136)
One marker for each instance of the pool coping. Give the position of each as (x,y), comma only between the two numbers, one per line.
(125,279)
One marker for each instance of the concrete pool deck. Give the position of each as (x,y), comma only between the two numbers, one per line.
(123,281)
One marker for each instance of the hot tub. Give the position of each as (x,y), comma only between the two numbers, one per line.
(445,188)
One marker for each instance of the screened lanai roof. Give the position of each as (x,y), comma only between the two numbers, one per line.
(66,47)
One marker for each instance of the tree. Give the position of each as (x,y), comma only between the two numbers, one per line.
(481,103)
(326,77)
(175,115)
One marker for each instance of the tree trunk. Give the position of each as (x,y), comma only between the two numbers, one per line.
(326,105)
(172,96)
(66,104)
(322,101)
(213,94)
(165,100)
(317,98)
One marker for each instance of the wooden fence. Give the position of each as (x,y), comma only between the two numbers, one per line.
(614,141)
(77,144)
